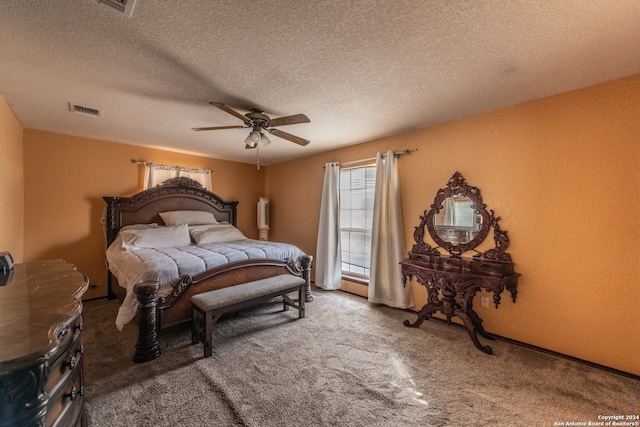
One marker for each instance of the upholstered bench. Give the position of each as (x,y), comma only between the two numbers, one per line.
(208,307)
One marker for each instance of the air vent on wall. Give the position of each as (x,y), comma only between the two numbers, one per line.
(87,111)
(124,6)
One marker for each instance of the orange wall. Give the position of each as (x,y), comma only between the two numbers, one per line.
(11,184)
(66,178)
(562,172)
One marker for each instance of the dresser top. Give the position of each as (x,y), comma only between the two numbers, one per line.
(40,300)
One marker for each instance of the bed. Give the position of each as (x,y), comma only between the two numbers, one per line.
(158,294)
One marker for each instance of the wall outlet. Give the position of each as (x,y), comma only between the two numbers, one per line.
(484,301)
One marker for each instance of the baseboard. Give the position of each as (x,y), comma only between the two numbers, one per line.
(550,352)
(565,356)
(540,349)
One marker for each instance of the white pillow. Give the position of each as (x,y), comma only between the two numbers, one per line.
(188,217)
(157,237)
(219,233)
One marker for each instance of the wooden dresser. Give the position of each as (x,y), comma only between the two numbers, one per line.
(41,346)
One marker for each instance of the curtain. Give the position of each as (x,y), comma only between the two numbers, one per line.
(387,242)
(449,212)
(328,253)
(156,174)
(198,175)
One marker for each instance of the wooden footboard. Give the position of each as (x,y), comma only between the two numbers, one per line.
(158,314)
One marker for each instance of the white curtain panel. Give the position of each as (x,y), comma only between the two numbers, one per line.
(328,254)
(156,174)
(449,212)
(201,176)
(387,242)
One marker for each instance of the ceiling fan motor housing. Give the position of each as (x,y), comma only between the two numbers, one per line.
(259,120)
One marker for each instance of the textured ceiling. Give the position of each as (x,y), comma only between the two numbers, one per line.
(359,69)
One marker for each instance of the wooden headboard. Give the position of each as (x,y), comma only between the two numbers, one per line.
(172,195)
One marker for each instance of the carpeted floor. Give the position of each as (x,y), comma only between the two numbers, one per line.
(348,363)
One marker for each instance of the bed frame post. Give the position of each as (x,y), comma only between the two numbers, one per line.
(305,263)
(148,345)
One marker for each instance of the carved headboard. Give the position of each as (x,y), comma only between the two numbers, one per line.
(174,194)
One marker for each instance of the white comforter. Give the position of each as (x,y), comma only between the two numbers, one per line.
(164,265)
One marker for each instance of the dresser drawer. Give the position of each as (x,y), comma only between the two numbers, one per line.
(65,360)
(66,406)
(65,382)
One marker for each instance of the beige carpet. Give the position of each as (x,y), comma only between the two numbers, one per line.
(348,363)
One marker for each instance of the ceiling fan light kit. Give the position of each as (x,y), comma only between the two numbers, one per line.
(255,138)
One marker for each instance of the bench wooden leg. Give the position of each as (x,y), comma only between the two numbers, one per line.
(196,326)
(301,298)
(208,335)
(209,321)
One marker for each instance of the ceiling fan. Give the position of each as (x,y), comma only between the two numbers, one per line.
(259,122)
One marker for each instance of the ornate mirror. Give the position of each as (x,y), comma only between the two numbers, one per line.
(458,222)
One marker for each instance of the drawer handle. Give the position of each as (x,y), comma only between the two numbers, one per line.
(80,350)
(62,334)
(71,363)
(72,395)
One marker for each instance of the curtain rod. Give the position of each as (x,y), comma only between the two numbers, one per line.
(395,153)
(185,168)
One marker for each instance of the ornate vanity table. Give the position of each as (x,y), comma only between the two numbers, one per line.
(458,222)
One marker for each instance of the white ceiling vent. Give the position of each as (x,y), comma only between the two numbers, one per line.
(87,111)
(124,6)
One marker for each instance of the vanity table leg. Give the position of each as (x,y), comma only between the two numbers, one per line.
(433,304)
(471,319)
(469,324)
(477,322)
(424,313)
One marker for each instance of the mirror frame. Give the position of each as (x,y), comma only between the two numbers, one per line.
(457,186)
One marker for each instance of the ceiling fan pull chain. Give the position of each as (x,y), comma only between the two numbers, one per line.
(258,155)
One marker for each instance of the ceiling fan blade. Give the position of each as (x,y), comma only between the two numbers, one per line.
(219,128)
(288,136)
(230,111)
(289,120)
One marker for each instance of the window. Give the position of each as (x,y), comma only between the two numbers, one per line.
(357,188)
